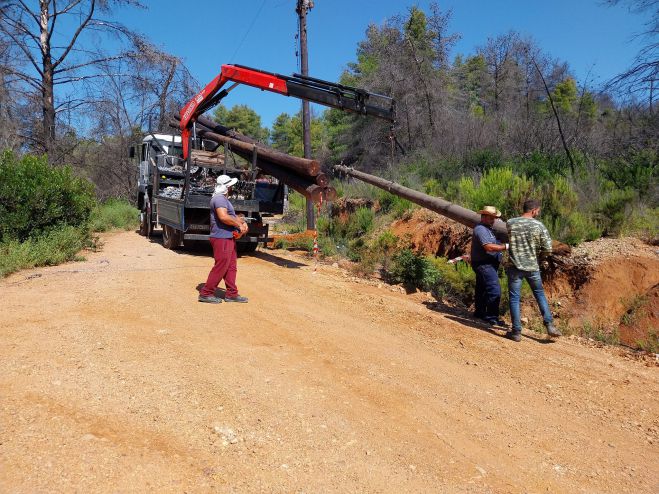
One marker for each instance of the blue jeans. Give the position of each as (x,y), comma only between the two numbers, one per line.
(515,278)
(488,292)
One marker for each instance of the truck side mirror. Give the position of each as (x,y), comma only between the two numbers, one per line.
(131,152)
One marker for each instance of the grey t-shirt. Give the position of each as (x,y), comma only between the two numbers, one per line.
(219,229)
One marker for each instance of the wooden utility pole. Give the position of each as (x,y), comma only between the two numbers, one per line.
(303,6)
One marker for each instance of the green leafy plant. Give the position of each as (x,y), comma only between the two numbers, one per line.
(114,214)
(36,197)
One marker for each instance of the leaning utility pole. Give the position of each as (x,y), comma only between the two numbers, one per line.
(302,7)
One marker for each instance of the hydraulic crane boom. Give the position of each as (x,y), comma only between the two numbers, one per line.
(307,88)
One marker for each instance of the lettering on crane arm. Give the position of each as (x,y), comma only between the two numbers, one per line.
(193,104)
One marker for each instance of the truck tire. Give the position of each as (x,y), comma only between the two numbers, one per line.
(171,237)
(246,247)
(146,227)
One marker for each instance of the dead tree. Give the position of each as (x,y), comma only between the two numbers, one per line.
(44,64)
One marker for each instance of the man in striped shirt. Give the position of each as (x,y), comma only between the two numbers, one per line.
(528,239)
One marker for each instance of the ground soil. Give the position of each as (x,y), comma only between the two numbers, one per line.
(113,378)
(431,234)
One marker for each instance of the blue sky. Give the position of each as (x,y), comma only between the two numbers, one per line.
(589,36)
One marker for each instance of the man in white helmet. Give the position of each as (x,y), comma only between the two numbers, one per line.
(226,226)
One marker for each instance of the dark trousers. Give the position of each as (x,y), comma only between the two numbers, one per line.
(488,292)
(225,268)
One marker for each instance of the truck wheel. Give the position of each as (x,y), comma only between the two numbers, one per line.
(247,247)
(146,226)
(171,237)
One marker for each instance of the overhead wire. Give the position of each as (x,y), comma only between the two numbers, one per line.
(249,29)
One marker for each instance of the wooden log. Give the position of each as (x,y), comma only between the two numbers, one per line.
(452,211)
(303,185)
(302,166)
(322,180)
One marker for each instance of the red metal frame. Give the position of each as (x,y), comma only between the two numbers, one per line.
(241,75)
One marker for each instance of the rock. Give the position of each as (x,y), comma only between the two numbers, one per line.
(226,433)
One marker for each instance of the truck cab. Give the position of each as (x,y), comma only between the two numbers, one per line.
(174,194)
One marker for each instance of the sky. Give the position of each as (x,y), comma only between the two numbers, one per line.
(596,41)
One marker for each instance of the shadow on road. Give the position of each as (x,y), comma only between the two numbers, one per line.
(463,317)
(220,292)
(279,261)
(202,248)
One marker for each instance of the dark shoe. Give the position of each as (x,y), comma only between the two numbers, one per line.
(209,299)
(514,336)
(500,323)
(553,330)
(239,299)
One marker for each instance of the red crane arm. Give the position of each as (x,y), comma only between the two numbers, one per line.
(241,75)
(307,88)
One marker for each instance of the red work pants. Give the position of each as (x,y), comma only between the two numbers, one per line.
(225,268)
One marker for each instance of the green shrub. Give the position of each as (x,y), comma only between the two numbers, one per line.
(36,197)
(642,222)
(433,274)
(59,245)
(114,214)
(455,280)
(360,222)
(576,228)
(499,187)
(407,268)
(638,170)
(390,203)
(614,208)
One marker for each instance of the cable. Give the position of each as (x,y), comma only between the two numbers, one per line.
(258,12)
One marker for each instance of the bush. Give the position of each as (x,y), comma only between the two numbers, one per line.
(433,274)
(455,280)
(576,228)
(36,197)
(642,222)
(57,246)
(390,203)
(499,187)
(408,268)
(114,213)
(614,208)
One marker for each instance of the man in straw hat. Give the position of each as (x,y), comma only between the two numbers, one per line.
(226,227)
(486,252)
(528,239)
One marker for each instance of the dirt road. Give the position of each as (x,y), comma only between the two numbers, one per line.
(114,379)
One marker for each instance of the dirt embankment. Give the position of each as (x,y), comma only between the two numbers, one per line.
(114,378)
(609,284)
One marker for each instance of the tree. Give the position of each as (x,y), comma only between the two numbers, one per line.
(243,119)
(643,75)
(50,39)
(136,93)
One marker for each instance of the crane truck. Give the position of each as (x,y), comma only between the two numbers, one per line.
(176,174)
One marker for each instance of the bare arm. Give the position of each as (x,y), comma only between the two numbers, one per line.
(495,247)
(227,219)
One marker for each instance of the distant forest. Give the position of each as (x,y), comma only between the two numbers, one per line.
(503,122)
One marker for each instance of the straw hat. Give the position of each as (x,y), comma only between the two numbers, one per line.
(491,211)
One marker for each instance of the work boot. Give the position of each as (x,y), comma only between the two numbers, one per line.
(514,336)
(209,299)
(237,298)
(553,330)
